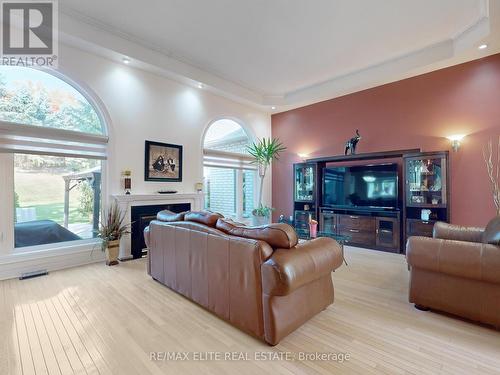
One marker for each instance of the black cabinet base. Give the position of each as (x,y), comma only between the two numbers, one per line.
(378,230)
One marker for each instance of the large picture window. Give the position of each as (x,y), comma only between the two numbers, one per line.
(55,142)
(55,199)
(229,175)
(33,97)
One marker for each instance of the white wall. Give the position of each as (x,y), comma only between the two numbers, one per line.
(144,106)
(141,106)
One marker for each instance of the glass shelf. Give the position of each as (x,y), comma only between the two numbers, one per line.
(426,181)
(304,180)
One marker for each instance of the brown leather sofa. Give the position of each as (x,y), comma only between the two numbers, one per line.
(457,271)
(259,279)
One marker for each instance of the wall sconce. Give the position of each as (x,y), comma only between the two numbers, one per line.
(303,156)
(455,141)
(127,181)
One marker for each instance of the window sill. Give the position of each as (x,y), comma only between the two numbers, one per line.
(51,250)
(15,264)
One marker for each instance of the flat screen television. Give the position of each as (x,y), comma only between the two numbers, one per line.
(364,186)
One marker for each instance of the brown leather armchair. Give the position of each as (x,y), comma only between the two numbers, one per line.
(457,271)
(259,279)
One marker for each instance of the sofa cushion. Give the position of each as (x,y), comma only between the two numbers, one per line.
(169,216)
(491,233)
(203,217)
(447,231)
(236,223)
(276,235)
(288,270)
(460,259)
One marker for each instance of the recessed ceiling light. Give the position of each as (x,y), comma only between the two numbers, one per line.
(273,107)
(126,60)
(483,46)
(200,85)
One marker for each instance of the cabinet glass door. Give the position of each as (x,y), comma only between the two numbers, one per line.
(425,182)
(328,223)
(302,219)
(304,182)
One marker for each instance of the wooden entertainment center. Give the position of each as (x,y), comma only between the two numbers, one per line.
(423,181)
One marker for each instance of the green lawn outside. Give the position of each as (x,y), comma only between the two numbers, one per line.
(45,192)
(55,212)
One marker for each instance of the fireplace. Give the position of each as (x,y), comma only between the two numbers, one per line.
(144,208)
(141,216)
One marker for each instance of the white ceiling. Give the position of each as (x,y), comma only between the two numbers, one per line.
(286,52)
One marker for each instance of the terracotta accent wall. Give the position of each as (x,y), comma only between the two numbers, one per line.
(418,112)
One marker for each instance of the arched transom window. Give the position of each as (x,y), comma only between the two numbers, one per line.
(52,142)
(229,175)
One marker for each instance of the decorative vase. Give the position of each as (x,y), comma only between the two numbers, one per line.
(112,251)
(257,221)
(313,229)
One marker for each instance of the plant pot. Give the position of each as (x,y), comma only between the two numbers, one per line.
(260,220)
(112,251)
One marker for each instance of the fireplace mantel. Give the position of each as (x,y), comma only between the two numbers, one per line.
(157,197)
(125,203)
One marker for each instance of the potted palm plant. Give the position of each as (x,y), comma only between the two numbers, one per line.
(264,152)
(111,230)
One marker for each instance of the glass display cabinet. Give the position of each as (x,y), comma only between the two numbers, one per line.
(302,219)
(304,194)
(426,179)
(426,192)
(304,182)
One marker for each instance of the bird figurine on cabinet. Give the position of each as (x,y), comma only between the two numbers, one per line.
(350,145)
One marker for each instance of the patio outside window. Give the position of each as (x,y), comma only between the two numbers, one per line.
(55,199)
(53,141)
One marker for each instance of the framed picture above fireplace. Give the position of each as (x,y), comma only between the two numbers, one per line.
(163,162)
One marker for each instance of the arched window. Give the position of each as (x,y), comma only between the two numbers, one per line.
(33,97)
(53,141)
(229,175)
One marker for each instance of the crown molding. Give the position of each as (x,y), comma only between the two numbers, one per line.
(93,36)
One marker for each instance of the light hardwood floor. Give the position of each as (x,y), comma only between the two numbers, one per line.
(106,320)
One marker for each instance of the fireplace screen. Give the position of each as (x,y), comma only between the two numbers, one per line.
(141,216)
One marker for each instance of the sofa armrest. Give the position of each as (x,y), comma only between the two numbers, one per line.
(147,240)
(289,269)
(147,236)
(447,231)
(475,261)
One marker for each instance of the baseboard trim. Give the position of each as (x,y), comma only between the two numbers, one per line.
(13,266)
